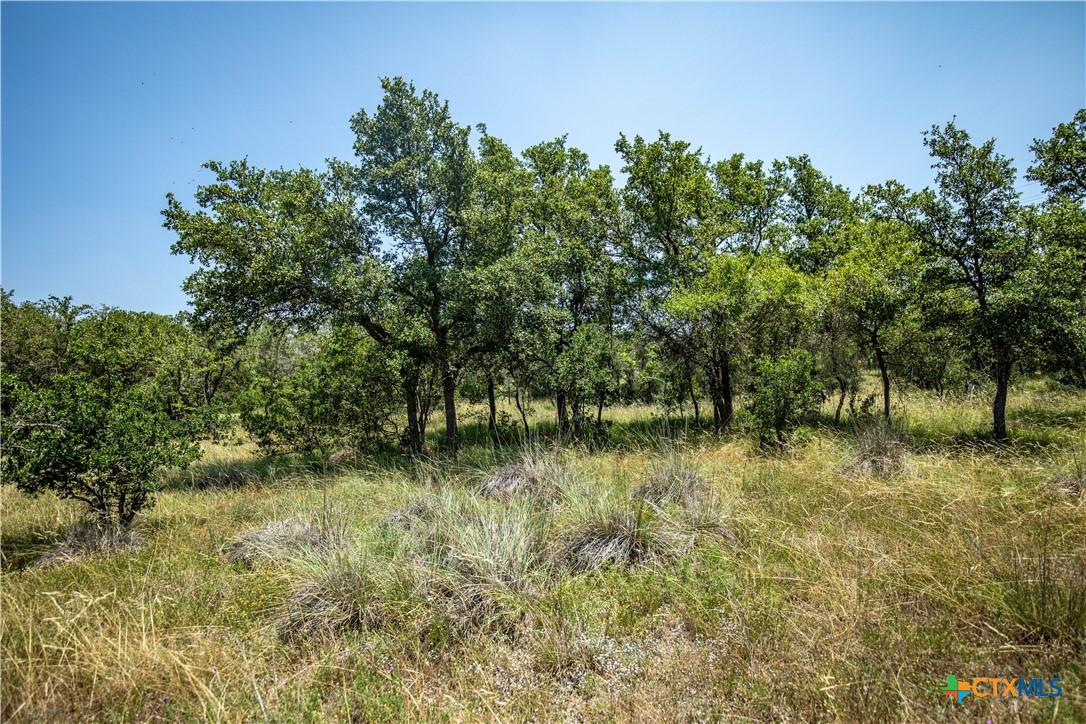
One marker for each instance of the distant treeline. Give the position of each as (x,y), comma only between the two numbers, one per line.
(341,307)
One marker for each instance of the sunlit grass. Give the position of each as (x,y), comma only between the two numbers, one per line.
(795,585)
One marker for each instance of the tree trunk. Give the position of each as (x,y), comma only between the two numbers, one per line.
(999,405)
(563,412)
(840,402)
(492,423)
(884,372)
(714,397)
(520,409)
(414,438)
(726,389)
(448,391)
(694,402)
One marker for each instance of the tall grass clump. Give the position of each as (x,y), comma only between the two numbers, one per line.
(1044,598)
(89,538)
(279,540)
(633,533)
(880,445)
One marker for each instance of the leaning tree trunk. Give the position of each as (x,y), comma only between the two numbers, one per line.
(520,409)
(840,402)
(999,405)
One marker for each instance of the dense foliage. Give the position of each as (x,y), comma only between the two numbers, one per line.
(97,402)
(338,308)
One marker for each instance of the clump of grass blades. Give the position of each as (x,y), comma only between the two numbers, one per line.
(629,535)
(1072,481)
(881,446)
(88,539)
(225,477)
(538,473)
(343,590)
(675,482)
(280,540)
(1044,599)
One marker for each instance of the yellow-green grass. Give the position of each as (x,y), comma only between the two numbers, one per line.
(831,593)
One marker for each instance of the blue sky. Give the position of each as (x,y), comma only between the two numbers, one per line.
(107,107)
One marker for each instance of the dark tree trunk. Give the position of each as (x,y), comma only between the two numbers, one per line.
(840,402)
(520,408)
(492,423)
(999,405)
(714,397)
(720,389)
(599,413)
(694,402)
(563,411)
(414,436)
(448,391)
(884,372)
(726,389)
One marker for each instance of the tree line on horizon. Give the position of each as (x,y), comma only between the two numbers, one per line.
(439,264)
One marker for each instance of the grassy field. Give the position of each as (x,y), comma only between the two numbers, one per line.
(668,575)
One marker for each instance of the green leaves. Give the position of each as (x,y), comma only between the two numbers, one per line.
(1060,163)
(100,402)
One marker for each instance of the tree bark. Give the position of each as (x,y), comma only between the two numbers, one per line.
(840,402)
(414,437)
(492,423)
(448,391)
(520,409)
(999,405)
(884,372)
(694,402)
(726,389)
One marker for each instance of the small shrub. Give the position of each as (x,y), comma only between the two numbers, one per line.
(784,393)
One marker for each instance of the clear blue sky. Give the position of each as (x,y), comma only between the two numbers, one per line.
(107,107)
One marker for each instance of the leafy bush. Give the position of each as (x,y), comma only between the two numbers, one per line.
(785,392)
(97,402)
(342,393)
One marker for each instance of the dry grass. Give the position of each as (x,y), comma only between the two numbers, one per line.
(88,539)
(834,597)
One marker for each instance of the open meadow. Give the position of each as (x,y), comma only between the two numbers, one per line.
(664,574)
